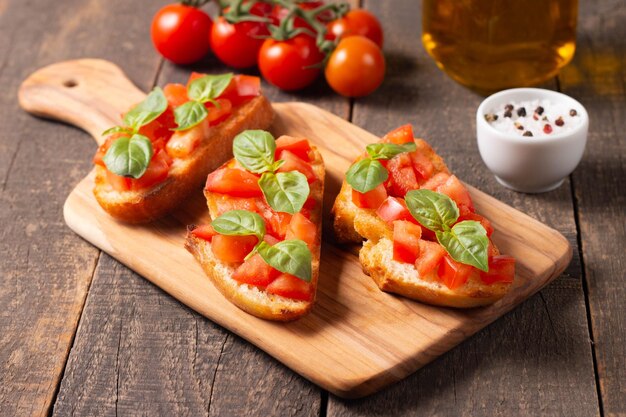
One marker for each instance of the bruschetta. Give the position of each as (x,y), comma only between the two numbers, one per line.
(169,143)
(423,237)
(262,249)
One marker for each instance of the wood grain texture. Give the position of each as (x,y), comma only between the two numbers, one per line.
(45,270)
(345,362)
(597,77)
(516,366)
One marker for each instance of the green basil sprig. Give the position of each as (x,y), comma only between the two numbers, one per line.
(201,90)
(130,155)
(284,191)
(289,256)
(369,173)
(466,241)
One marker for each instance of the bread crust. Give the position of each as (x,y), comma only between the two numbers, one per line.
(354,224)
(186,175)
(249,298)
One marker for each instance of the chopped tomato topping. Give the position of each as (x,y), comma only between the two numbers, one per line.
(431,254)
(501,269)
(452,273)
(293,163)
(290,287)
(118,182)
(302,228)
(371,199)
(399,136)
(205,231)
(231,249)
(454,189)
(255,271)
(176,94)
(402,175)
(406,237)
(422,166)
(394,208)
(102,149)
(227,203)
(242,88)
(434,182)
(183,143)
(234,182)
(298,146)
(308,207)
(161,127)
(220,112)
(157,172)
(276,223)
(477,217)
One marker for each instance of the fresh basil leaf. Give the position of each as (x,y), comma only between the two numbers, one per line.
(117,129)
(285,191)
(435,211)
(189,115)
(149,109)
(366,175)
(240,223)
(467,243)
(254,150)
(388,150)
(209,87)
(289,256)
(129,156)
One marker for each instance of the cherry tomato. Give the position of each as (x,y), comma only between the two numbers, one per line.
(290,64)
(356,67)
(181,33)
(357,22)
(238,44)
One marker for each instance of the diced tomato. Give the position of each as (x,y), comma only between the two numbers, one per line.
(501,269)
(454,189)
(157,172)
(220,112)
(302,228)
(406,237)
(234,182)
(161,127)
(277,223)
(422,166)
(477,217)
(298,146)
(102,149)
(255,271)
(394,208)
(434,182)
(241,89)
(176,94)
(399,136)
(290,286)
(270,240)
(293,163)
(452,273)
(205,231)
(431,254)
(491,250)
(308,207)
(231,249)
(183,143)
(118,182)
(402,175)
(226,203)
(371,199)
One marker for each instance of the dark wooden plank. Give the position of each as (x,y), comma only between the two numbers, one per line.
(537,359)
(45,270)
(597,79)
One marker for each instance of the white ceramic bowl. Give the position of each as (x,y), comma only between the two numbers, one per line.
(530,164)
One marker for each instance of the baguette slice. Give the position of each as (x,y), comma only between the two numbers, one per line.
(249,298)
(355,224)
(185,175)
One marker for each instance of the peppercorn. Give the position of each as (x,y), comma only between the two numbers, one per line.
(535,116)
(559,121)
(573,112)
(521,112)
(490,117)
(508,107)
(508,113)
(539,110)
(547,129)
(528,133)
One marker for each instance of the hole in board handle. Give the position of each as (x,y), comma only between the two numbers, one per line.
(70,83)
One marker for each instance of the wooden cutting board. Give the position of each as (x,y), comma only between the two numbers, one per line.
(357,339)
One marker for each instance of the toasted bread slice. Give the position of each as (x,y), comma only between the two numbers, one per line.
(186,175)
(249,298)
(355,224)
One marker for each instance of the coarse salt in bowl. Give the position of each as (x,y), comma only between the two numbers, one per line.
(531,138)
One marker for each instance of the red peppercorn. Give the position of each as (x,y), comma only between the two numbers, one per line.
(559,121)
(547,129)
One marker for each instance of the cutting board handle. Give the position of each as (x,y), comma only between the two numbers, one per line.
(88,93)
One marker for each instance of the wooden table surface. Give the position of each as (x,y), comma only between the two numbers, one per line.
(80,334)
